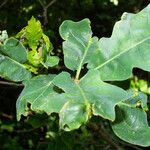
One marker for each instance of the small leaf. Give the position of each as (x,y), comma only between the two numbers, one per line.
(52,61)
(137,99)
(47,42)
(38,120)
(33,33)
(3,36)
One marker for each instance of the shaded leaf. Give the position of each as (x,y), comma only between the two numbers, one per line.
(131,125)
(13,70)
(137,99)
(52,61)
(15,50)
(73,115)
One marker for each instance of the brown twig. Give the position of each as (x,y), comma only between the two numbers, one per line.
(7,116)
(11,84)
(45,8)
(111,141)
(3,3)
(130,145)
(104,135)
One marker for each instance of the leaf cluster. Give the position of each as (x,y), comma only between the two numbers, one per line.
(77,98)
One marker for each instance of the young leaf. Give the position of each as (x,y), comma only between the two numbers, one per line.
(33,33)
(131,125)
(137,99)
(39,45)
(52,61)
(128,47)
(48,44)
(13,70)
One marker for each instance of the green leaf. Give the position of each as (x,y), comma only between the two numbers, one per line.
(128,47)
(13,70)
(38,120)
(47,42)
(77,102)
(73,115)
(39,45)
(131,125)
(137,99)
(79,44)
(114,57)
(33,33)
(40,93)
(90,95)
(3,35)
(52,61)
(15,50)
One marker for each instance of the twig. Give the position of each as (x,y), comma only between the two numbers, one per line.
(104,135)
(26,131)
(11,84)
(51,3)
(45,8)
(129,145)
(3,3)
(7,116)
(41,3)
(110,140)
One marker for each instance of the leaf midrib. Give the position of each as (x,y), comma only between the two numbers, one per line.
(46,87)
(123,52)
(83,58)
(6,57)
(82,93)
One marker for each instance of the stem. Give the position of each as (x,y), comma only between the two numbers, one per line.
(11,83)
(3,3)
(100,130)
(81,63)
(45,8)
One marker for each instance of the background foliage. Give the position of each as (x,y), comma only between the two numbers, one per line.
(33,133)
